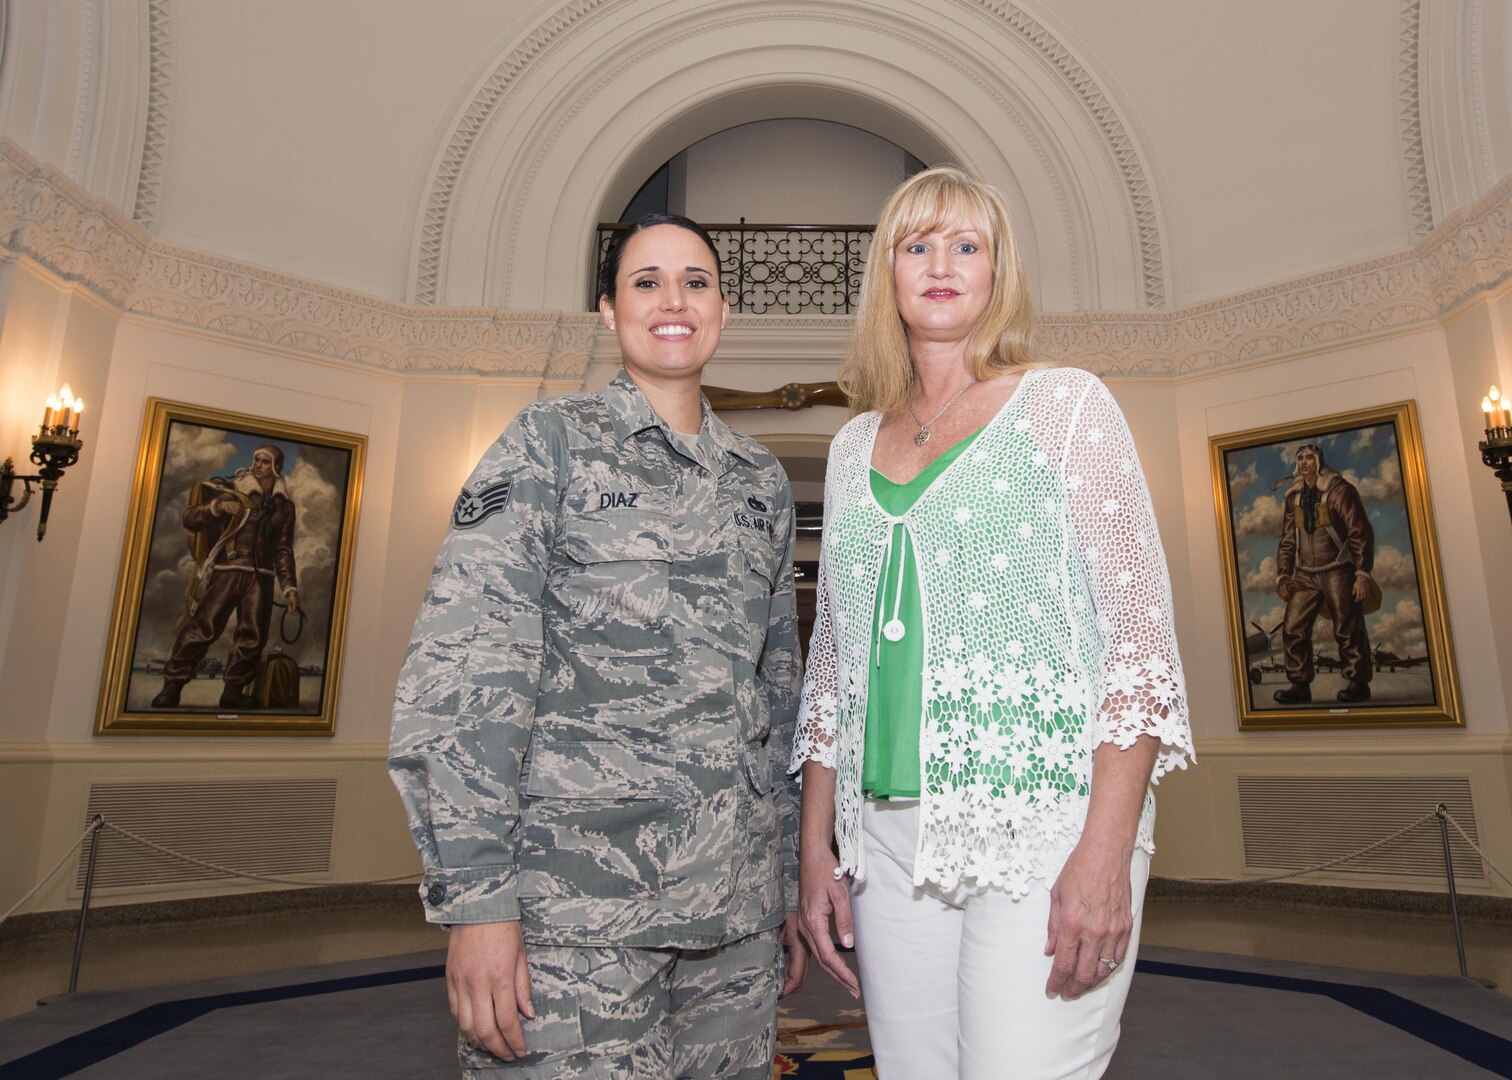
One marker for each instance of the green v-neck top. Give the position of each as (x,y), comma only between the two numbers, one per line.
(895,694)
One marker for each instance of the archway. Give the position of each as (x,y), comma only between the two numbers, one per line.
(538,154)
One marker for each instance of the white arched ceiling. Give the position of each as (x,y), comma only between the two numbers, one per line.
(811,102)
(543,147)
(1454,54)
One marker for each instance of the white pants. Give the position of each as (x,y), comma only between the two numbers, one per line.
(955,982)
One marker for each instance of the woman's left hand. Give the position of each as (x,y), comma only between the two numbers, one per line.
(1091,918)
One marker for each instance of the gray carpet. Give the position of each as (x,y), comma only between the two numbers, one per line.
(1191,1015)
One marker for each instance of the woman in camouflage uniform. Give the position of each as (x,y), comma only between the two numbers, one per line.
(594,717)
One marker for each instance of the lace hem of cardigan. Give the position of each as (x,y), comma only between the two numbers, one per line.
(1012,852)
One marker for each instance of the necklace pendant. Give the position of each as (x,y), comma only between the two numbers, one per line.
(893,630)
(922,437)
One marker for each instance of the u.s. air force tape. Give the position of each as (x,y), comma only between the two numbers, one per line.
(475,507)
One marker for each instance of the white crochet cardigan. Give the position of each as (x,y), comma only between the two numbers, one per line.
(1048,631)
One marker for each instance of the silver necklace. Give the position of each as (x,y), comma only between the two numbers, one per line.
(922,436)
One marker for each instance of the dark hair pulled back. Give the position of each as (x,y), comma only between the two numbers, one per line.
(609,270)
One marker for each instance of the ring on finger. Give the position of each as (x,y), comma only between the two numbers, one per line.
(1112,964)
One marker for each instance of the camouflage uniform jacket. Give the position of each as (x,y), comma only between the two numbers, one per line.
(594,717)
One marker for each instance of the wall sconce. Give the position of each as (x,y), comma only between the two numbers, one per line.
(1496,450)
(55,447)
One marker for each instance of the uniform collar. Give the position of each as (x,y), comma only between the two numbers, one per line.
(631,413)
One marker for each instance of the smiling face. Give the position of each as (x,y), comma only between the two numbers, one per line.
(667,311)
(943,279)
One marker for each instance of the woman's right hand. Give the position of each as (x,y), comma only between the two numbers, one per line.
(821,896)
(488,986)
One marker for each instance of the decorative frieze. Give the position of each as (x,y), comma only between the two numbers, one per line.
(1410,117)
(1110,126)
(45,217)
(155,131)
(464,136)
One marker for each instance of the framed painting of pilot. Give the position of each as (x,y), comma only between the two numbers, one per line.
(231,601)
(1334,594)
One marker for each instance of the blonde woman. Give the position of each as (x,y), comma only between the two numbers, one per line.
(993,678)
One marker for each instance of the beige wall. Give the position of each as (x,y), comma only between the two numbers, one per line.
(1445,370)
(423,433)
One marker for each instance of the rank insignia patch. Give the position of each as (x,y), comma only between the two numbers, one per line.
(474,508)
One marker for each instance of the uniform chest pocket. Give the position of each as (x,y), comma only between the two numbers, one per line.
(615,581)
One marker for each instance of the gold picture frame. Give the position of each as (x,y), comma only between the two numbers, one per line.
(231,599)
(1293,667)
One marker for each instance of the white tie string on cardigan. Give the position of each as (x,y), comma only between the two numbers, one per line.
(893,629)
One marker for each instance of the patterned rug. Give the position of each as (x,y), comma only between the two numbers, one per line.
(821,1033)
(1191,1016)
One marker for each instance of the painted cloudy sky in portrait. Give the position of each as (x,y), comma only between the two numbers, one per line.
(1368,457)
(316,478)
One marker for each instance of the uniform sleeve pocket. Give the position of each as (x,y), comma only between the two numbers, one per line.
(758,583)
(597,770)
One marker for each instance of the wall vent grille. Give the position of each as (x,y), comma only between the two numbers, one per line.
(1294,821)
(264,826)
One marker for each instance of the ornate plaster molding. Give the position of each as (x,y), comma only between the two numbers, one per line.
(972,73)
(464,136)
(155,135)
(1084,86)
(47,218)
(1059,60)
(1410,117)
(1469,254)
(1474,50)
(89,74)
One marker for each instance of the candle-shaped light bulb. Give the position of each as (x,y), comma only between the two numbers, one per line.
(1486,408)
(65,415)
(50,414)
(78,411)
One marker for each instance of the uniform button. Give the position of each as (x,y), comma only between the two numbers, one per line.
(435,894)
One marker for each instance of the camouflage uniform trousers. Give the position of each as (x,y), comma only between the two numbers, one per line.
(646,1014)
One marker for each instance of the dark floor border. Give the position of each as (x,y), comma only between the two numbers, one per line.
(1482,1048)
(68,1056)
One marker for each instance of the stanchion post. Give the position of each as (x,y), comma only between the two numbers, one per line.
(96,826)
(1442,813)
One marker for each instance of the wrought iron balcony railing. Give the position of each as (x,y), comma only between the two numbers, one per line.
(781,269)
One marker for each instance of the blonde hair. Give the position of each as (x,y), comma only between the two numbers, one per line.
(878,371)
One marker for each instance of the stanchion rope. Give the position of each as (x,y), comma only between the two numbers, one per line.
(272,879)
(1313,869)
(1476,847)
(205,864)
(1367,849)
(202,863)
(49,875)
